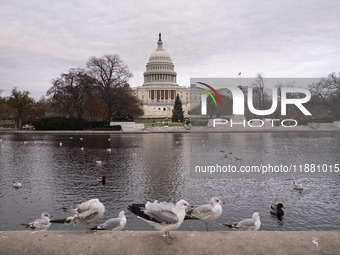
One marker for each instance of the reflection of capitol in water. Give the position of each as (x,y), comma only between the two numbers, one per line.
(162,164)
(160,88)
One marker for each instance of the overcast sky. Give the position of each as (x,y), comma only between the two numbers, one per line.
(41,39)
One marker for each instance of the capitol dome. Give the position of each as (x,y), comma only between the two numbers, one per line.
(160,69)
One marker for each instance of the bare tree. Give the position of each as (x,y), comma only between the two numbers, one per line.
(110,73)
(127,103)
(95,109)
(328,90)
(70,91)
(259,92)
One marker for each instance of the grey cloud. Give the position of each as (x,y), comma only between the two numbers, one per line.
(42,39)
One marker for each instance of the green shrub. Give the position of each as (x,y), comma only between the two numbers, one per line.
(62,123)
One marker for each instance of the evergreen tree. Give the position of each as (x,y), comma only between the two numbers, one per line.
(177,112)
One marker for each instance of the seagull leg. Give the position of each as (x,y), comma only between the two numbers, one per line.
(172,238)
(168,238)
(206,224)
(88,229)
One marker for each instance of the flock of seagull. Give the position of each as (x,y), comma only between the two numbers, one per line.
(163,216)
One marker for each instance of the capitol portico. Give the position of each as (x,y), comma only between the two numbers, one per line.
(160,88)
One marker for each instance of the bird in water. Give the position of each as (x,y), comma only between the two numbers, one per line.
(206,212)
(17,184)
(102,179)
(226,154)
(298,186)
(40,224)
(277,209)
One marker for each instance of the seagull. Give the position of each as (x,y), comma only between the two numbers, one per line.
(99,162)
(225,154)
(298,186)
(114,224)
(252,224)
(109,149)
(162,216)
(81,139)
(207,212)
(82,148)
(40,224)
(17,184)
(102,179)
(85,213)
(60,144)
(277,209)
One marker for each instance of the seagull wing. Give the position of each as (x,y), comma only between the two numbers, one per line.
(39,224)
(247,224)
(87,216)
(162,213)
(202,211)
(165,216)
(88,205)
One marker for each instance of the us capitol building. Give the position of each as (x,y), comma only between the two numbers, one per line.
(160,88)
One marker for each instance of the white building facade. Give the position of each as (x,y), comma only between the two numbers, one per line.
(160,88)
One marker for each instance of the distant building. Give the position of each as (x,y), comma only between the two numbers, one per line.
(160,88)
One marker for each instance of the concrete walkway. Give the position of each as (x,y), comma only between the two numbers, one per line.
(152,242)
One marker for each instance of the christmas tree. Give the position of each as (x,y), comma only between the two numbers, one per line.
(177,112)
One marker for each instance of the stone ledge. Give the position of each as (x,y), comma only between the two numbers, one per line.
(152,242)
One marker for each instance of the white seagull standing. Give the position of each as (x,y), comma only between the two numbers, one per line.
(40,224)
(114,224)
(85,213)
(162,216)
(252,224)
(207,212)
